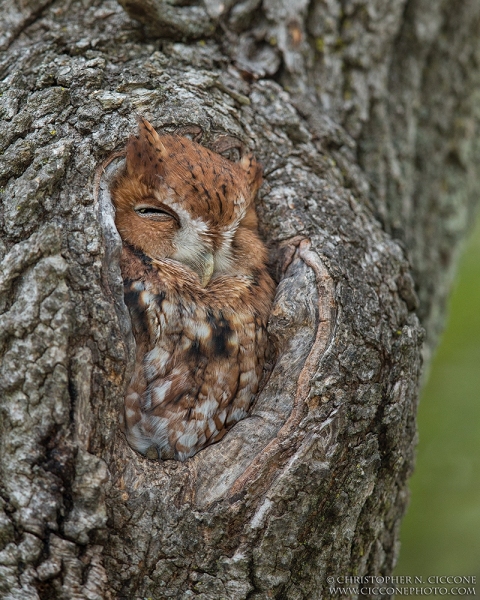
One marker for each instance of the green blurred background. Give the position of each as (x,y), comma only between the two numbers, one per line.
(441,531)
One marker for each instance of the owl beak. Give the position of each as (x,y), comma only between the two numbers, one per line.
(206,270)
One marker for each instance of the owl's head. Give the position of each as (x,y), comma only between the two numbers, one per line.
(176,199)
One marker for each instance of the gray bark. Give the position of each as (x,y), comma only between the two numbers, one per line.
(364,117)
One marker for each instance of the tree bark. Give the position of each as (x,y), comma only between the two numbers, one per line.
(363,115)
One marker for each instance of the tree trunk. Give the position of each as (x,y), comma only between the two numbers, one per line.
(363,115)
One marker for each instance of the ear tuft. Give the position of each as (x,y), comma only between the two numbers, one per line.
(253,170)
(145,154)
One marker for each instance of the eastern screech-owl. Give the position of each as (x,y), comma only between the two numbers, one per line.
(197,288)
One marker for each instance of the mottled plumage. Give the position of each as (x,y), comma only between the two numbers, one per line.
(197,288)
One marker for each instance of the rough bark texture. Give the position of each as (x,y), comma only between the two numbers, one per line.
(365,117)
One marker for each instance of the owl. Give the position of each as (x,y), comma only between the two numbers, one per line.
(197,288)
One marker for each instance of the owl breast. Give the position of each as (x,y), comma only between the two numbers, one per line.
(200,355)
(197,288)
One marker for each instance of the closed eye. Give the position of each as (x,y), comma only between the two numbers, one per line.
(154,212)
